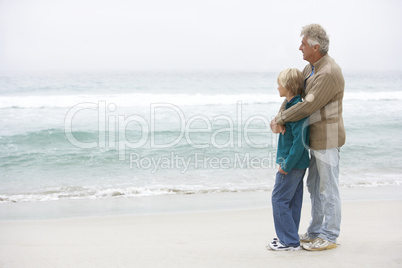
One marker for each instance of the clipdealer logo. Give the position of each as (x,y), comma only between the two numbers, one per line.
(112,130)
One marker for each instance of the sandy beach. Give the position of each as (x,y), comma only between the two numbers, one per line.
(371,236)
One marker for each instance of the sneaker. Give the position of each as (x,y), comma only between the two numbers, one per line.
(277,246)
(273,243)
(305,238)
(319,244)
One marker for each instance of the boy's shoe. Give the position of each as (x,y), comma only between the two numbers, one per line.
(305,238)
(277,246)
(319,244)
(273,243)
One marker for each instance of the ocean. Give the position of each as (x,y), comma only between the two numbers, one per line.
(113,135)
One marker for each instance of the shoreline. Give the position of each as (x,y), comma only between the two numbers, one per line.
(167,204)
(370,237)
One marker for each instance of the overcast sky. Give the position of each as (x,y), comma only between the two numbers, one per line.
(190,35)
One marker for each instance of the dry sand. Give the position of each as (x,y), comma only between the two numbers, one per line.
(371,236)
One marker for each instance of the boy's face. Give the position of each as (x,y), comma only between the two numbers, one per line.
(283,92)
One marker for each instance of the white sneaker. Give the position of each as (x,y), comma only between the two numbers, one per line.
(319,244)
(277,246)
(273,243)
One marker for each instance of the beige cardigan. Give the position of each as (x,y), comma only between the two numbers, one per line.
(323,103)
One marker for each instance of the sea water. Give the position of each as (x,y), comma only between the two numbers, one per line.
(102,135)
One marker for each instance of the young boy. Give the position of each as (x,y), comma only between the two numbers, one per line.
(293,159)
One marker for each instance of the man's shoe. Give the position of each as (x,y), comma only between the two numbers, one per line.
(305,238)
(319,244)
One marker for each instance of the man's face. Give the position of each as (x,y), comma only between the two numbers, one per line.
(308,51)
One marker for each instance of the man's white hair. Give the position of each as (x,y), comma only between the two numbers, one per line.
(316,35)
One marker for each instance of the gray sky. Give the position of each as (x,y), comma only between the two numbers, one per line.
(190,35)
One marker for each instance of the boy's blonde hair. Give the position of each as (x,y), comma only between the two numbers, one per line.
(292,79)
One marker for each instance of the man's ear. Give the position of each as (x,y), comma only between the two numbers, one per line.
(316,47)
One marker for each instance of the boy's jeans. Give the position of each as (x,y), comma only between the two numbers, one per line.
(323,185)
(287,199)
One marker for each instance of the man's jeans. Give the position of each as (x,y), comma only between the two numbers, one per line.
(287,199)
(323,185)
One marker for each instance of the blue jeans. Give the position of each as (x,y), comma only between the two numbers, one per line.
(323,186)
(287,199)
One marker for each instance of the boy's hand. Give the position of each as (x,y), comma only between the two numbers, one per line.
(282,129)
(282,172)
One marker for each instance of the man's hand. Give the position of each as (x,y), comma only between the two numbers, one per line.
(282,172)
(276,128)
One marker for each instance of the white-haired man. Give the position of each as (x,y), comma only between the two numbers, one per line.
(324,88)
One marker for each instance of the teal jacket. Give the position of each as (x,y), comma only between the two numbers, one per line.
(293,146)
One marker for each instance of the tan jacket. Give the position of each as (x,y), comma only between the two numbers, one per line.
(323,103)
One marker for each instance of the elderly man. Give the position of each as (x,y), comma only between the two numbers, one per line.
(324,87)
